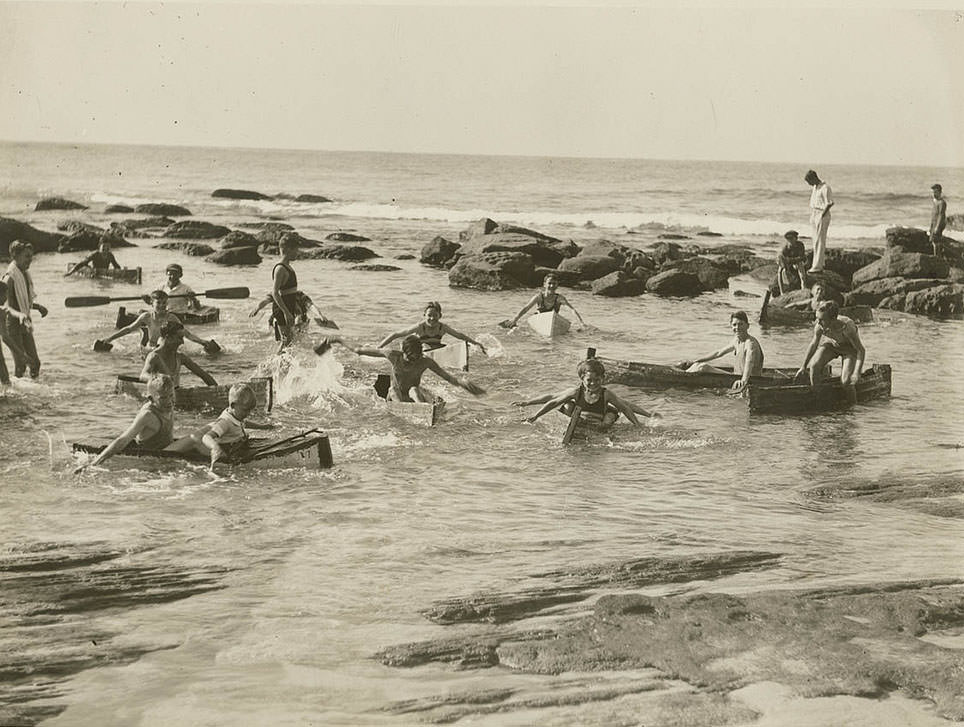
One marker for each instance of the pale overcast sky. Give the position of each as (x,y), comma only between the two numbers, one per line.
(814,85)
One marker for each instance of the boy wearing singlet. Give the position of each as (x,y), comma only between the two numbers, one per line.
(408,365)
(745,348)
(598,404)
(834,336)
(430,330)
(152,427)
(226,435)
(284,292)
(545,300)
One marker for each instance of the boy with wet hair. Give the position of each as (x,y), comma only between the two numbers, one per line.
(545,300)
(101,259)
(745,348)
(408,365)
(151,321)
(173,286)
(430,330)
(226,435)
(597,403)
(834,336)
(167,358)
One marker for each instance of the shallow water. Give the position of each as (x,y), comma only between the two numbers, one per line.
(149,594)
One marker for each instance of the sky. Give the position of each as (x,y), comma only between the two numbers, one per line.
(844,84)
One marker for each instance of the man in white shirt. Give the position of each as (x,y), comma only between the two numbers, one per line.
(173,286)
(820,204)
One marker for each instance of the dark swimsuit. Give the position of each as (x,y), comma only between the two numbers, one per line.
(543,308)
(289,296)
(165,435)
(596,410)
(433,340)
(101,260)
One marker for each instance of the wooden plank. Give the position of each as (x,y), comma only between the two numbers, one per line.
(573,425)
(874,383)
(418,412)
(204,314)
(660,376)
(121,275)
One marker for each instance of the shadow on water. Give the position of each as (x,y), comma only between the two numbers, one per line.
(52,595)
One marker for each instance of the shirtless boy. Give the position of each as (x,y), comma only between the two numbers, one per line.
(152,321)
(545,300)
(834,335)
(938,219)
(408,365)
(745,348)
(167,359)
(152,427)
(101,259)
(430,330)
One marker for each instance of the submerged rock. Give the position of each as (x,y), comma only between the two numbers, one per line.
(113,209)
(239,194)
(349,253)
(235,256)
(166,210)
(196,230)
(347,237)
(376,268)
(238,238)
(313,198)
(41,241)
(195,249)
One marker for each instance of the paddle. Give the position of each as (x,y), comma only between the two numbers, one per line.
(86,301)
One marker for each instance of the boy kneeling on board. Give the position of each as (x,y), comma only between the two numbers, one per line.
(597,403)
(408,365)
(226,434)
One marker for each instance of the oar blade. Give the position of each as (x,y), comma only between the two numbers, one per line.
(227,293)
(86,301)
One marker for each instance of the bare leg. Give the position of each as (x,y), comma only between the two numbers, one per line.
(823,356)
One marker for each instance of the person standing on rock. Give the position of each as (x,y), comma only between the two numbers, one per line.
(938,218)
(284,292)
(820,204)
(20,301)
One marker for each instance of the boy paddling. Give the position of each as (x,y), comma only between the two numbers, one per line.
(152,321)
(101,259)
(187,299)
(745,348)
(408,365)
(167,359)
(545,300)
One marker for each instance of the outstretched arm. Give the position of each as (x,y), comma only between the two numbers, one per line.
(715,355)
(554,402)
(461,336)
(814,342)
(359,350)
(121,442)
(191,366)
(527,306)
(113,261)
(461,381)
(397,334)
(79,265)
(627,409)
(537,400)
(138,323)
(564,301)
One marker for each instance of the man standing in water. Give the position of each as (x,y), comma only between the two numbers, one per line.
(938,218)
(820,204)
(20,301)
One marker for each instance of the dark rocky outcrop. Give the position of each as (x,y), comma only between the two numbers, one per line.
(238,238)
(347,237)
(618,285)
(196,230)
(955,222)
(41,241)
(282,226)
(270,237)
(159,221)
(235,256)
(493,271)
(846,262)
(711,275)
(118,209)
(707,233)
(165,210)
(348,253)
(674,284)
(672,236)
(896,264)
(405,256)
(908,239)
(86,239)
(874,291)
(540,249)
(589,267)
(72,226)
(313,198)
(238,194)
(195,249)
(939,301)
(438,251)
(58,203)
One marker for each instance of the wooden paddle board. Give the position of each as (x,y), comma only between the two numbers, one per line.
(549,324)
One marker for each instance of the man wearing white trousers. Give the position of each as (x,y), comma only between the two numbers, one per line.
(820,204)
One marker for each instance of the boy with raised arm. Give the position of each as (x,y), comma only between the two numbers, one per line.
(430,330)
(408,365)
(545,300)
(745,348)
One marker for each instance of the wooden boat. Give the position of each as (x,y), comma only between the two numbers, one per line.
(201,398)
(427,414)
(549,324)
(874,383)
(454,355)
(121,275)
(204,314)
(660,376)
(307,450)
(776,315)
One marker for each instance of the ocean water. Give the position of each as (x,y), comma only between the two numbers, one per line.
(149,595)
